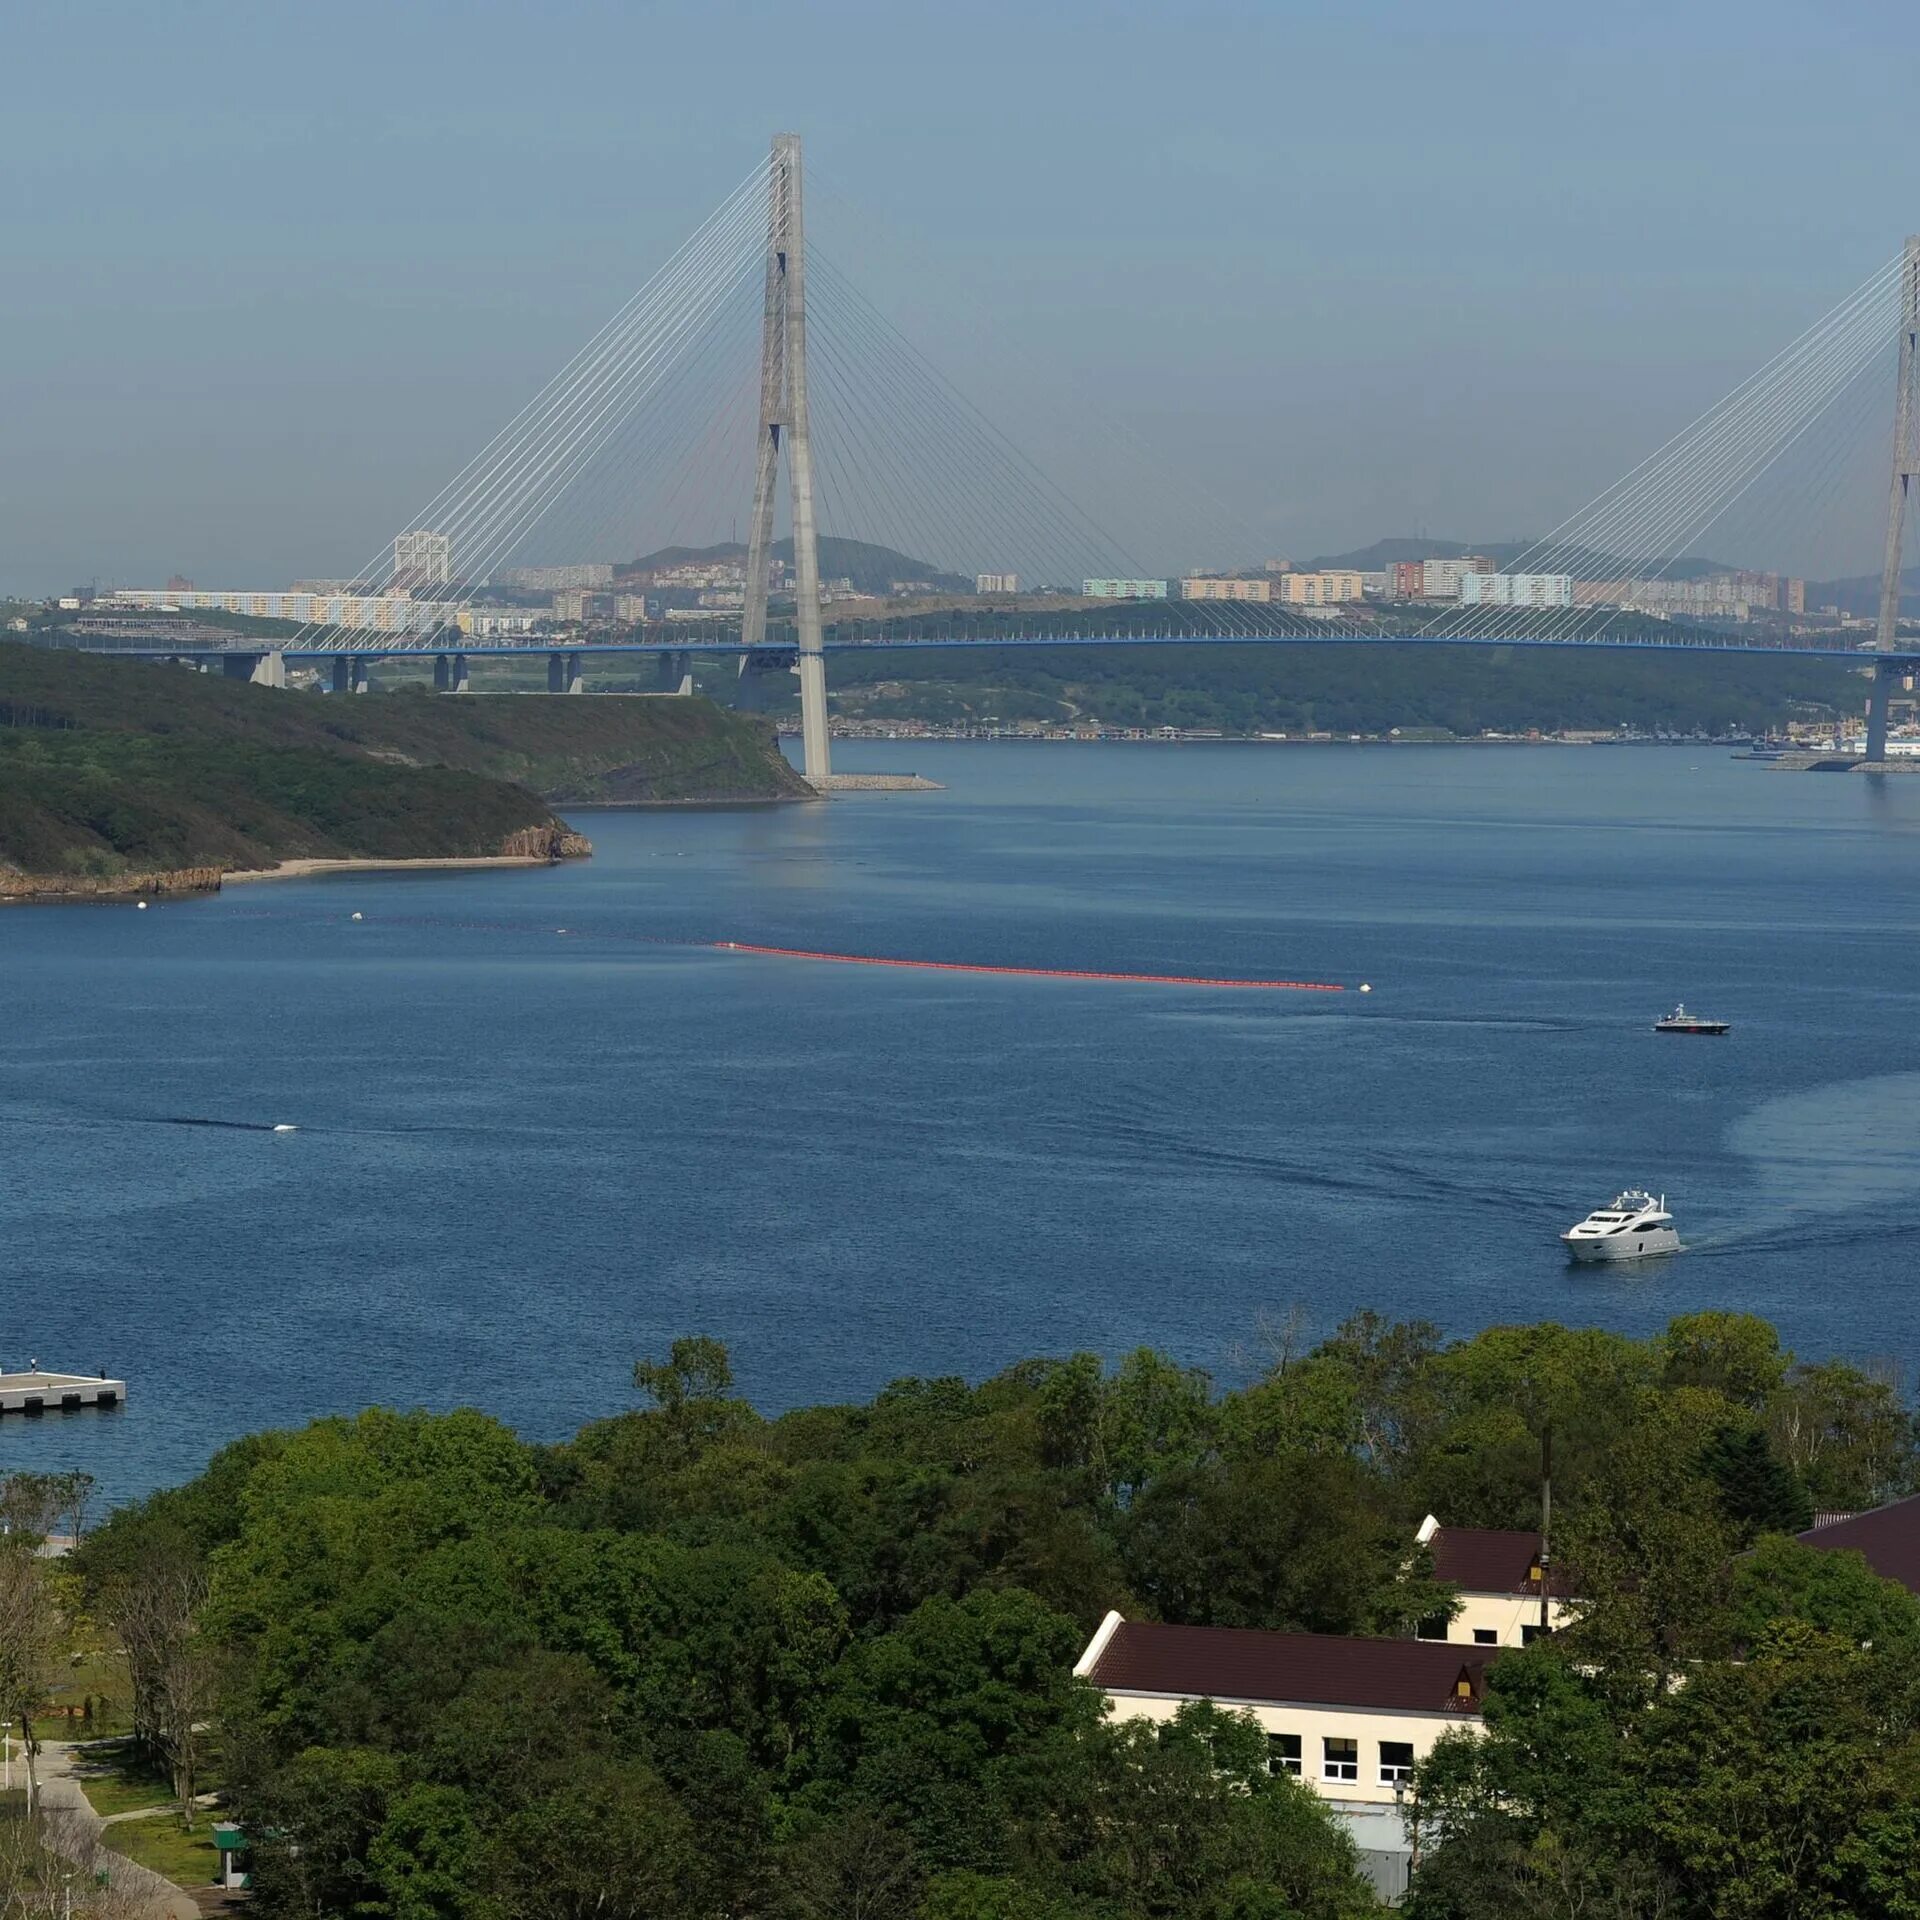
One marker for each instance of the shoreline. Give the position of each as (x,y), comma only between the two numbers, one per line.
(312,869)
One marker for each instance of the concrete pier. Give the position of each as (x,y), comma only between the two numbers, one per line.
(442,673)
(37,1391)
(565,673)
(459,673)
(268,669)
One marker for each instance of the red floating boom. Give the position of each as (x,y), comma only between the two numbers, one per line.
(1028,973)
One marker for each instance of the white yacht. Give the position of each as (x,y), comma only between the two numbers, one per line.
(1632,1224)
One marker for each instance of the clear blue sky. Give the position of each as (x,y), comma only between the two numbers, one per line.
(273,271)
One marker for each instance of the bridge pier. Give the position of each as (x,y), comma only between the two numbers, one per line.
(564,674)
(267,669)
(342,673)
(442,673)
(360,673)
(460,673)
(1890,678)
(670,669)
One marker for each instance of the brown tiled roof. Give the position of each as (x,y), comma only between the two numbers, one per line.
(1309,1669)
(1888,1536)
(1488,1560)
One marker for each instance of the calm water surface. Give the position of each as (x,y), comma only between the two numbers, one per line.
(527,1155)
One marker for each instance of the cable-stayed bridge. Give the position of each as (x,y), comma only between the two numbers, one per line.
(751,355)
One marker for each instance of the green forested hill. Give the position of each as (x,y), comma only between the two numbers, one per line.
(110,766)
(1343,689)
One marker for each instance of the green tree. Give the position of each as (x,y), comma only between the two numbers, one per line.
(954,1718)
(691,1391)
(1759,1493)
(1299,1541)
(1734,1354)
(1183,1819)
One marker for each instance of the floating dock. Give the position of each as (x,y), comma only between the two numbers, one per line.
(42,1392)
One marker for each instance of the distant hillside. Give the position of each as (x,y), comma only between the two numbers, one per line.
(1355,689)
(872,569)
(114,767)
(1860,593)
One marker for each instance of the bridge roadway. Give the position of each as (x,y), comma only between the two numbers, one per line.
(369,646)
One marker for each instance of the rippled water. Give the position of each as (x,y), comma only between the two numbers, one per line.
(527,1155)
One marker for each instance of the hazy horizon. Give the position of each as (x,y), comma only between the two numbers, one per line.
(1350,272)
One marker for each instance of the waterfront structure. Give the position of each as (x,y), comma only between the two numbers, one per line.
(1349,1717)
(33,1389)
(1124,589)
(784,426)
(996,583)
(552,579)
(1332,586)
(1516,590)
(422,559)
(1214,587)
(1498,1574)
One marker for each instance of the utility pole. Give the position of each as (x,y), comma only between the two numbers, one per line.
(783,422)
(1906,468)
(1546,1524)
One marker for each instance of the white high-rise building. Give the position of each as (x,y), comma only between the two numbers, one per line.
(423,559)
(996,583)
(1516,590)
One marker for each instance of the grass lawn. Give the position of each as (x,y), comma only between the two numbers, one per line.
(115,1781)
(187,1859)
(95,1678)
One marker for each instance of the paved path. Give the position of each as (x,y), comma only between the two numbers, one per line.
(74,1832)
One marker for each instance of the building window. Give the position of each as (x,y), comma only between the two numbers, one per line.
(1283,1753)
(1342,1759)
(1433,1627)
(1396,1762)
(1485,1637)
(1531,1631)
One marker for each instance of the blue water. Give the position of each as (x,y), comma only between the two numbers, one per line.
(527,1156)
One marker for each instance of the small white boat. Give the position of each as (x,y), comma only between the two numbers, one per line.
(1632,1225)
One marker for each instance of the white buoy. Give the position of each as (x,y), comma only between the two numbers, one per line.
(143,906)
(1364,988)
(286,1127)
(356,916)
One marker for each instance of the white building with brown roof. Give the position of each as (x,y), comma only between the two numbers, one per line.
(1349,1717)
(1497,1572)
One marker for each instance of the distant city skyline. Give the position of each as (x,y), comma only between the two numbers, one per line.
(259,308)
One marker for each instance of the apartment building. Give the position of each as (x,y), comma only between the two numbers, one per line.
(1124,589)
(1331,586)
(1213,587)
(1516,590)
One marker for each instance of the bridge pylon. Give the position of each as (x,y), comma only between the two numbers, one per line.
(783,425)
(1906,469)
